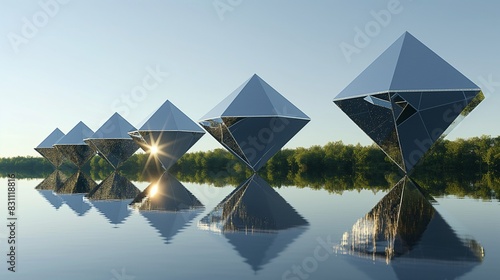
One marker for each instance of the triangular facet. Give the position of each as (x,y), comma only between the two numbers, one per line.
(76,135)
(53,138)
(169,118)
(116,127)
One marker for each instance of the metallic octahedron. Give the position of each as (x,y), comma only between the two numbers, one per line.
(254,122)
(47,150)
(170,132)
(73,147)
(408,99)
(112,141)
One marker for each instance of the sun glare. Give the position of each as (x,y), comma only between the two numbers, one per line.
(153,191)
(154,149)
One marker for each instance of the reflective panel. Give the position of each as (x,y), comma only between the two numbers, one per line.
(54,181)
(77,154)
(112,141)
(77,183)
(407,116)
(405,230)
(254,122)
(115,186)
(169,146)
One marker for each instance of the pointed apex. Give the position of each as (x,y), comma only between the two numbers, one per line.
(116,127)
(76,135)
(53,138)
(407,65)
(255,98)
(169,118)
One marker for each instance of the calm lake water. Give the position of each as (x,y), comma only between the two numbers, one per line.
(393,234)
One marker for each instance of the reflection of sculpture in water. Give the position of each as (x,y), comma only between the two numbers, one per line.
(78,152)
(115,211)
(113,143)
(256,220)
(55,157)
(167,205)
(405,231)
(55,200)
(76,203)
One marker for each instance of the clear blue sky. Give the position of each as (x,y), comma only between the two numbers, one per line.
(83,60)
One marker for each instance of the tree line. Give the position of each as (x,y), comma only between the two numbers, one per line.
(334,166)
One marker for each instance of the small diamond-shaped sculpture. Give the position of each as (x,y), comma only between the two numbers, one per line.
(407,99)
(47,150)
(168,134)
(73,147)
(254,122)
(112,141)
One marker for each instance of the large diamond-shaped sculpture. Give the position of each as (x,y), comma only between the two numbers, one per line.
(112,141)
(254,122)
(73,147)
(168,134)
(47,150)
(407,99)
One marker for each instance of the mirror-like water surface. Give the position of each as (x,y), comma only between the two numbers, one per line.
(393,234)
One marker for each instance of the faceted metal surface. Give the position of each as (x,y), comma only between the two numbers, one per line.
(405,117)
(404,225)
(115,186)
(114,151)
(46,149)
(77,154)
(54,156)
(54,181)
(166,194)
(253,206)
(73,147)
(171,145)
(254,122)
(77,183)
(170,132)
(112,141)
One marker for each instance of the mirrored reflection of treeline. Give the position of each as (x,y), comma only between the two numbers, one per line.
(468,167)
